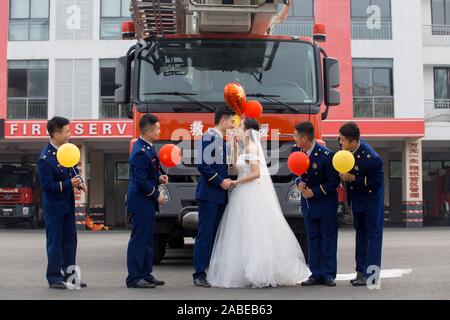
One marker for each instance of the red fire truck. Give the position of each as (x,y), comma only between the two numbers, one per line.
(18,199)
(186,52)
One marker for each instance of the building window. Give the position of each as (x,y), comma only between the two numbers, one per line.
(371,19)
(122,171)
(373,93)
(113,13)
(300,20)
(29,20)
(395,169)
(27,89)
(440,12)
(108,108)
(442,83)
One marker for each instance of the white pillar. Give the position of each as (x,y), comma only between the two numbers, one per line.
(412,183)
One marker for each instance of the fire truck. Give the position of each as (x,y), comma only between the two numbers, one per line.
(18,198)
(186,51)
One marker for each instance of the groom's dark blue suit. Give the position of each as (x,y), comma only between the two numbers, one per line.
(210,196)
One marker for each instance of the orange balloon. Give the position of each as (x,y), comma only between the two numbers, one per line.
(298,163)
(253,109)
(170,155)
(235,98)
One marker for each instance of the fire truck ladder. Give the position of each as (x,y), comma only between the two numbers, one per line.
(156,17)
(160,17)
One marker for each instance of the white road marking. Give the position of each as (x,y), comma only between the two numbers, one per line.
(389,273)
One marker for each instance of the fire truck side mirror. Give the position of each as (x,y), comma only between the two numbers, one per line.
(332,80)
(123,80)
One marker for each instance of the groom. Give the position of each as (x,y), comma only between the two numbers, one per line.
(212,190)
(319,206)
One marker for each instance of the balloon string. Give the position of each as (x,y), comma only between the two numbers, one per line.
(77,175)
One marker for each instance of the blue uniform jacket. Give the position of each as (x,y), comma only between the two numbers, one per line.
(323,180)
(213,168)
(367,192)
(58,194)
(143,194)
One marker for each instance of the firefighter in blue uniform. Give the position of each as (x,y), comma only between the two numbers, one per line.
(143,201)
(319,205)
(365,191)
(211,193)
(57,184)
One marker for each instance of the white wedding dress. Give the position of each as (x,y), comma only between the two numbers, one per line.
(254,245)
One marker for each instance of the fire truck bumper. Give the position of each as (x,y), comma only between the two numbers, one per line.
(18,212)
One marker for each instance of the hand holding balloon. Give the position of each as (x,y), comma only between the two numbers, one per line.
(68,155)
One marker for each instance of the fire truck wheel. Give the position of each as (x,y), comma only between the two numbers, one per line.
(303,241)
(33,223)
(176,243)
(159,248)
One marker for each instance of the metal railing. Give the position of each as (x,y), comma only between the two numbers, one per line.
(361,30)
(294,27)
(437,110)
(111,110)
(436,35)
(27,108)
(373,107)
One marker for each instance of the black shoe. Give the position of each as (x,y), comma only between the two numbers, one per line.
(359,276)
(59,286)
(201,282)
(360,282)
(311,282)
(142,284)
(329,283)
(155,281)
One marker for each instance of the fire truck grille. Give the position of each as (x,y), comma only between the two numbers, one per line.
(9,197)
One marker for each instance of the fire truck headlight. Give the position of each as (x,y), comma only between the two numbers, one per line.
(294,195)
(165,193)
(26,211)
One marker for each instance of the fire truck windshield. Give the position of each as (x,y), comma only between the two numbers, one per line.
(201,68)
(16,178)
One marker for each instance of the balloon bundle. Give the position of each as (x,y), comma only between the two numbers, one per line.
(235,98)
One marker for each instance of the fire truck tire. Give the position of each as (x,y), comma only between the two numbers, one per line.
(33,223)
(303,241)
(159,248)
(176,243)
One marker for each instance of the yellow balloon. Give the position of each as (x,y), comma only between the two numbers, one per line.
(343,161)
(68,155)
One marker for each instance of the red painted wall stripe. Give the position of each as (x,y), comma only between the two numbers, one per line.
(335,14)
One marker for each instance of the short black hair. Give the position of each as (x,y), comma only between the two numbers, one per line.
(56,124)
(222,112)
(305,128)
(350,131)
(250,123)
(146,121)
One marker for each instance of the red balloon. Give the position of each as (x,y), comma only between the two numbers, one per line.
(234,96)
(253,109)
(298,163)
(170,155)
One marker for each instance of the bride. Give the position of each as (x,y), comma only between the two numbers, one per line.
(254,244)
